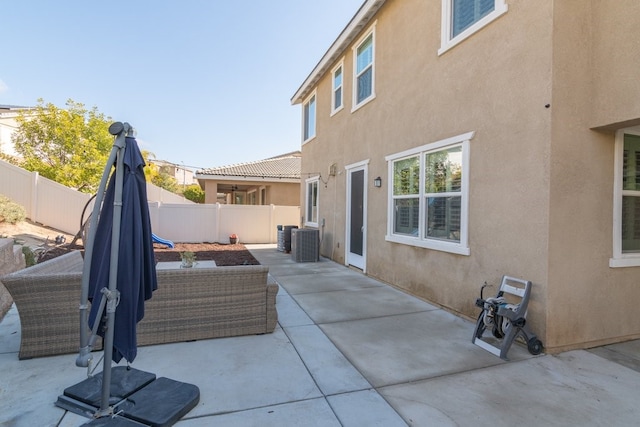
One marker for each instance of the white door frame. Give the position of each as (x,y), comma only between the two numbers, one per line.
(359,261)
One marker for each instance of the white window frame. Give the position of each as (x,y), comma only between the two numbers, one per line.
(370,32)
(312,129)
(315,180)
(620,259)
(461,247)
(334,88)
(447,41)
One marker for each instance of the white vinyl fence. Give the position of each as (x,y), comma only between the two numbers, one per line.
(172,217)
(45,201)
(216,222)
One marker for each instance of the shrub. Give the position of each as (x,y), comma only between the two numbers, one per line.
(29,256)
(194,193)
(10,211)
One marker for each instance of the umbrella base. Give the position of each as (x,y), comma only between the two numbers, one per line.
(124,382)
(141,399)
(116,421)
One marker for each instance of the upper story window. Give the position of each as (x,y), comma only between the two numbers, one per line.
(309,118)
(311,202)
(462,18)
(364,71)
(626,208)
(336,95)
(429,195)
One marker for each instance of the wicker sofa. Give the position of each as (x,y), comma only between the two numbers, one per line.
(190,304)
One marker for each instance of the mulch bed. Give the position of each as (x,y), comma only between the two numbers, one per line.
(223,255)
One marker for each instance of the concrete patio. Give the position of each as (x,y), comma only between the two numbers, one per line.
(350,351)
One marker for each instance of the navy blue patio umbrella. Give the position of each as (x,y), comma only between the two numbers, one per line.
(135,270)
(119,272)
(118,276)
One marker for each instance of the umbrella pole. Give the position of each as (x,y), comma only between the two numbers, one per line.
(112,293)
(84,357)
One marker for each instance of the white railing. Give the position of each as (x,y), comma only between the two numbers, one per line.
(172,217)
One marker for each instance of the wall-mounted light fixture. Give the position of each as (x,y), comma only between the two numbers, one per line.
(377,182)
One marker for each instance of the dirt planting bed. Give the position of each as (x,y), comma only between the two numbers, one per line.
(223,255)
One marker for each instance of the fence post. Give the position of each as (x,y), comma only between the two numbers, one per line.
(273,233)
(217,223)
(34,197)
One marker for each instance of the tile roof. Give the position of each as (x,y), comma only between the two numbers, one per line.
(285,166)
(12,107)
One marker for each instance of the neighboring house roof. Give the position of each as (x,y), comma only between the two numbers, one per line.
(7,107)
(283,167)
(346,37)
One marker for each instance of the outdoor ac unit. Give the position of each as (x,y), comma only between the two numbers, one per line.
(305,245)
(280,245)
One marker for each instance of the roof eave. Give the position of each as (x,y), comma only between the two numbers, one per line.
(247,178)
(364,15)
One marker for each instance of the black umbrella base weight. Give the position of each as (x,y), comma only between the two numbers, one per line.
(124,382)
(116,421)
(141,399)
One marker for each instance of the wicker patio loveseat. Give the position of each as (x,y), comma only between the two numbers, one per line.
(190,304)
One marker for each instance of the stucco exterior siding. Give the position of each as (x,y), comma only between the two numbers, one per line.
(581,216)
(431,97)
(615,58)
(540,175)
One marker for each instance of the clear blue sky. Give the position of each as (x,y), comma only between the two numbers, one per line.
(205,83)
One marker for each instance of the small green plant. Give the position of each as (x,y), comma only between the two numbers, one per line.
(29,256)
(10,211)
(188,258)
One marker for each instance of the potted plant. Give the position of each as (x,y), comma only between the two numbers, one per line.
(188,259)
(233,238)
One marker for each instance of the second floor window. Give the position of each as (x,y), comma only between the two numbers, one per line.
(364,71)
(309,119)
(336,100)
(467,12)
(462,18)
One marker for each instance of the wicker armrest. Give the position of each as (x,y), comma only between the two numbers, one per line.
(47,297)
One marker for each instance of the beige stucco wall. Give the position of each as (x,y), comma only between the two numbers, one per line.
(210,190)
(615,57)
(283,194)
(590,303)
(540,204)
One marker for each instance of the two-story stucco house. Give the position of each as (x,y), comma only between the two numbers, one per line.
(450,142)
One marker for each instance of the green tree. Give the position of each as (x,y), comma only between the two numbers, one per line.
(166,181)
(194,193)
(70,146)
